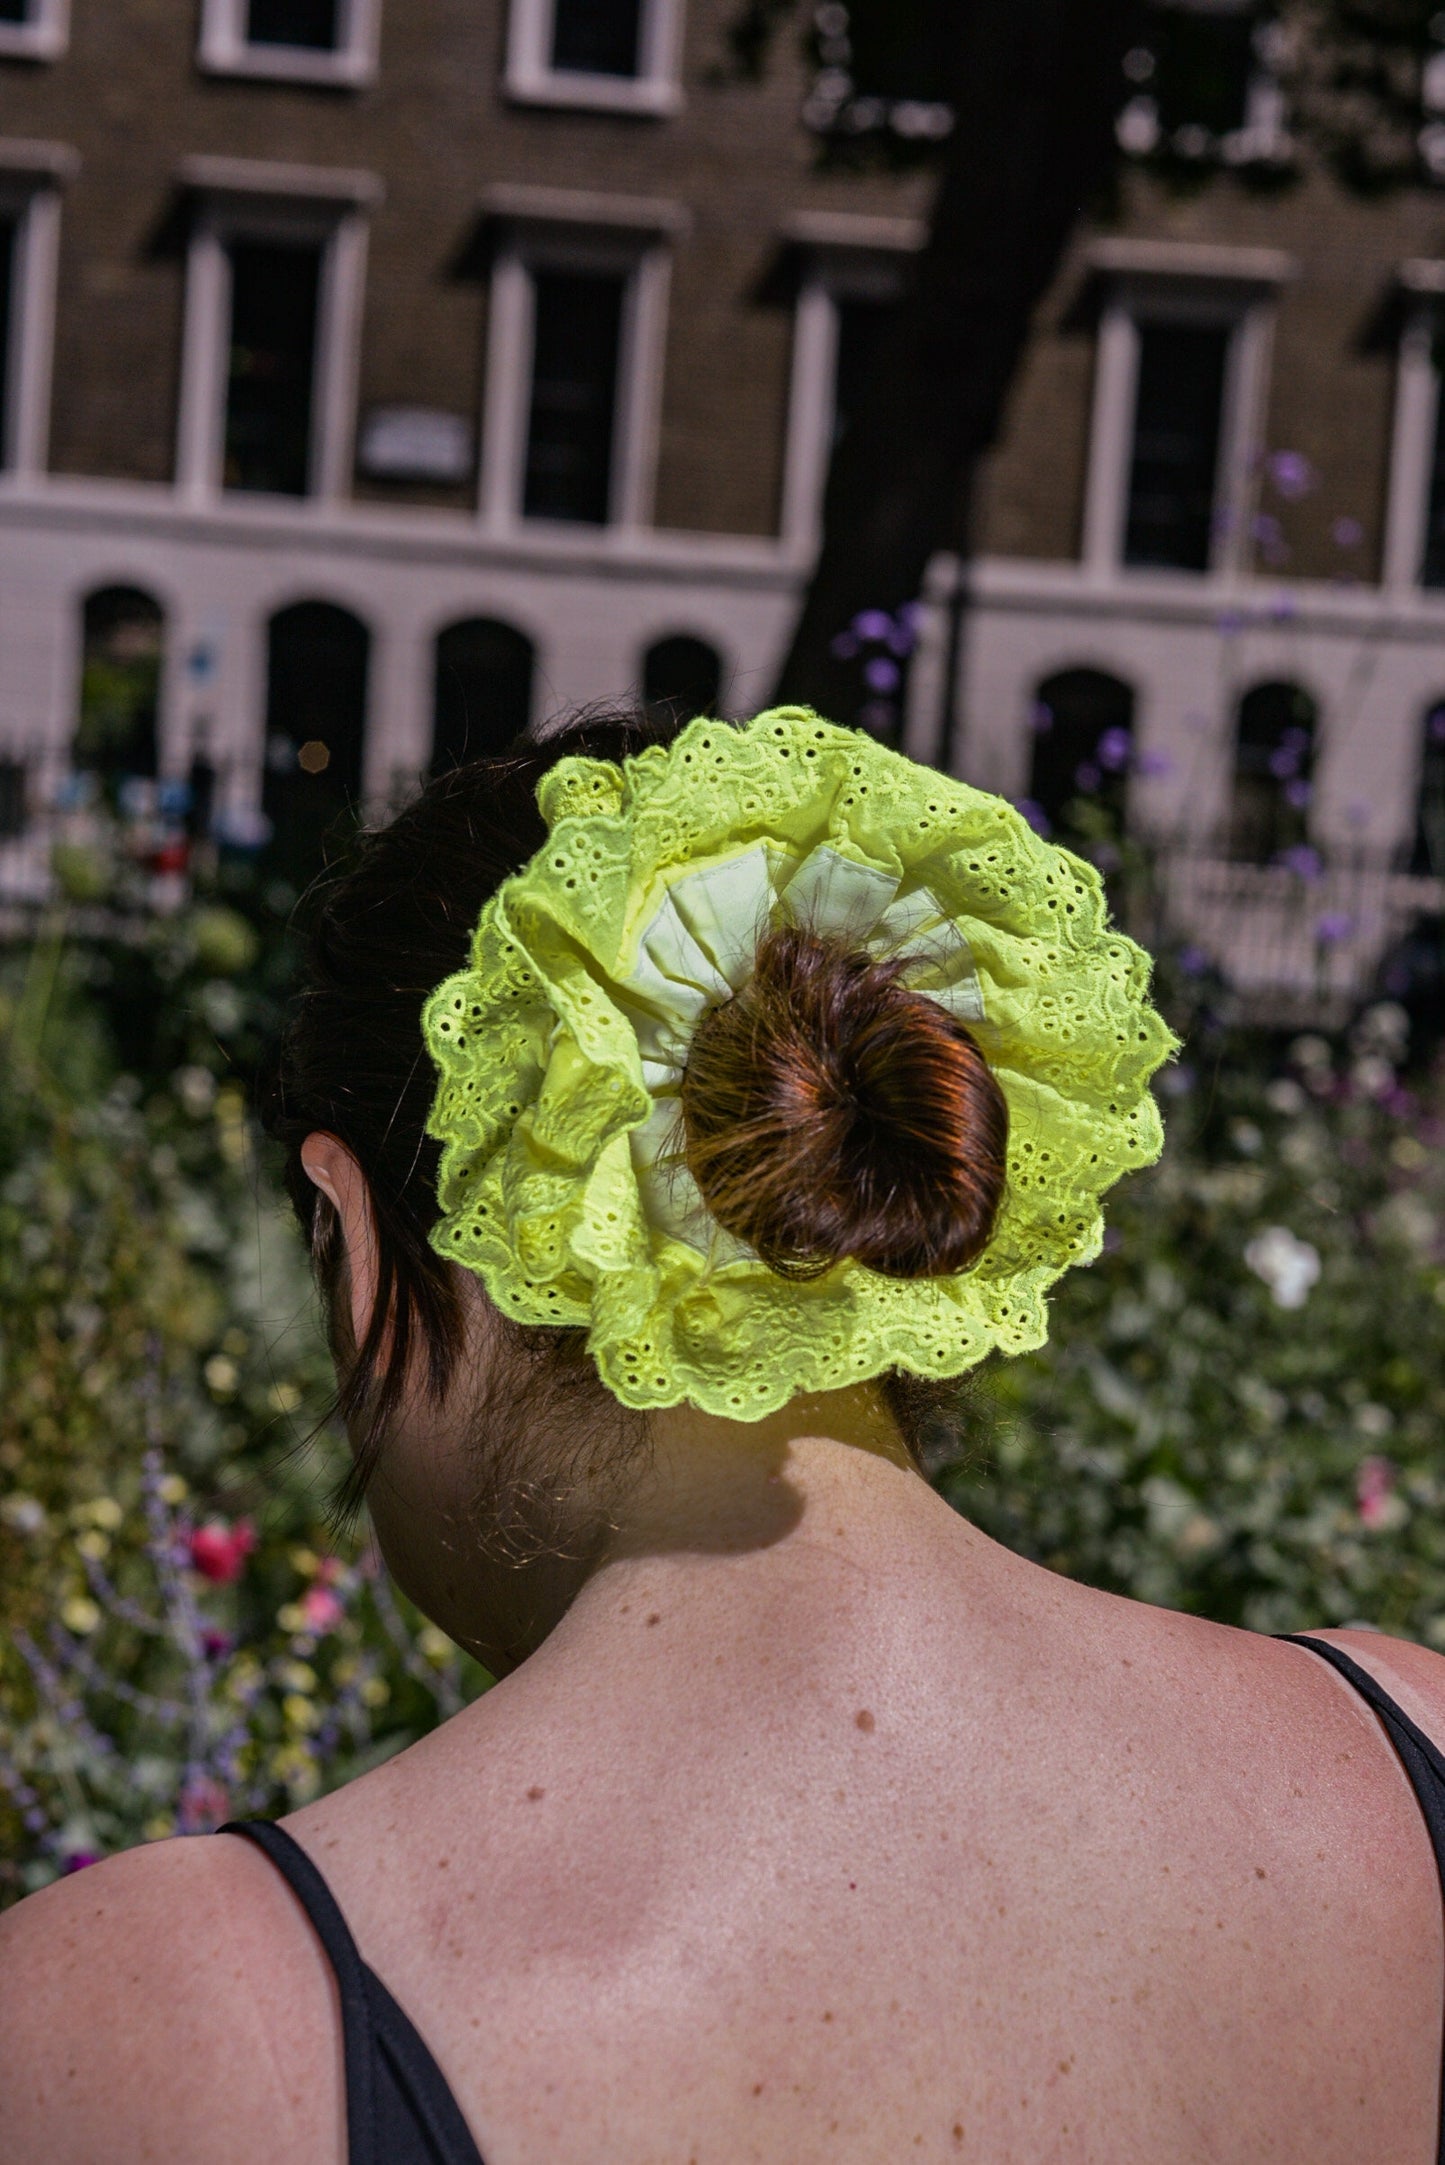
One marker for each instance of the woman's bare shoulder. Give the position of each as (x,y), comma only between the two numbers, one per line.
(1413,1675)
(168,2002)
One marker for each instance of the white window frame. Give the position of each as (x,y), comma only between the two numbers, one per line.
(554,229)
(32,176)
(1176,282)
(226,50)
(238,199)
(44,37)
(843,257)
(1417,417)
(654,92)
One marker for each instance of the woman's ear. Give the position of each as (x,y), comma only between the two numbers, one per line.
(330,1166)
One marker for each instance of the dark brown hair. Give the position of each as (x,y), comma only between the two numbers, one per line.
(830,1111)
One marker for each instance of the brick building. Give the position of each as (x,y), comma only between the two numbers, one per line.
(379,372)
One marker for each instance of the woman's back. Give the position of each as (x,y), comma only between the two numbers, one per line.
(967,1863)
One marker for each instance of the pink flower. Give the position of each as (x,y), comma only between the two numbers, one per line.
(321,1609)
(203,1804)
(219,1551)
(1373,1483)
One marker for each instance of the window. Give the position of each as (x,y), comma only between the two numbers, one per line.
(273,306)
(34,29)
(31,177)
(577,330)
(482,690)
(122,644)
(313,25)
(1174,471)
(271,367)
(1273,784)
(851,274)
(617,54)
(317,666)
(1083,723)
(1427,855)
(1180,384)
(316,41)
(1204,77)
(682,678)
(597,37)
(575,341)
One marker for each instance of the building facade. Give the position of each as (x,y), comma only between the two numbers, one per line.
(376,375)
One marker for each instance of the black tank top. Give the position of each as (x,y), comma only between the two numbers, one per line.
(399,2110)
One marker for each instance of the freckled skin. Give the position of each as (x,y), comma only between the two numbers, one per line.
(1107,1886)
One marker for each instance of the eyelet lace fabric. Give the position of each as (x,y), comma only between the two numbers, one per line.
(560,1047)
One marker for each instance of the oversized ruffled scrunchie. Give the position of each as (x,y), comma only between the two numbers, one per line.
(560,1050)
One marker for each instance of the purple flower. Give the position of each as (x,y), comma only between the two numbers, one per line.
(903,638)
(1113,1240)
(1193,961)
(1087,778)
(1230,622)
(1041,716)
(1297,794)
(1284,761)
(1333,927)
(872,624)
(1347,533)
(1303,861)
(1267,530)
(1284,608)
(881,675)
(1292,473)
(216,1645)
(79,1859)
(1153,766)
(1036,816)
(1113,749)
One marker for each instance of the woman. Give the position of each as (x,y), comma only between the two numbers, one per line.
(670,1122)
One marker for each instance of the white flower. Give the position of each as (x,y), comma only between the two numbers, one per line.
(1289,1267)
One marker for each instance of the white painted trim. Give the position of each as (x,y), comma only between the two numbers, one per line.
(1247,308)
(1417,415)
(337,224)
(44,37)
(32,336)
(340,305)
(225,49)
(588,209)
(655,92)
(31,176)
(1126,256)
(1111,438)
(260,180)
(641,360)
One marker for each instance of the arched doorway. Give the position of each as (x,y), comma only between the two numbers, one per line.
(1083,723)
(682,678)
(122,650)
(317,662)
(481,690)
(1273,781)
(1427,855)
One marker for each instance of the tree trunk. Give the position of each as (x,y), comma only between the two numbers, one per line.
(1036,88)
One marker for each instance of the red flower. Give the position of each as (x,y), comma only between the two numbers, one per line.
(219,1551)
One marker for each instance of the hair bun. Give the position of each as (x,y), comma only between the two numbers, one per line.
(831,1112)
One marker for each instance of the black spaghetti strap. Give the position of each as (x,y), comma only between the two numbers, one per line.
(1422,1759)
(399,2110)
(331,1928)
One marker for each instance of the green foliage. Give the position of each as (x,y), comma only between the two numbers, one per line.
(1190,1439)
(179,1639)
